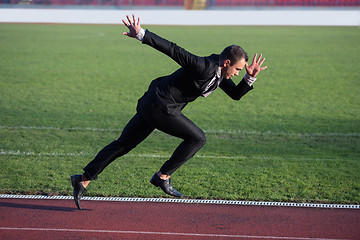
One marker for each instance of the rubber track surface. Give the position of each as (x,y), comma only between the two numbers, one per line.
(59,219)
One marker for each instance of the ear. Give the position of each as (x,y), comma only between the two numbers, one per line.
(227,63)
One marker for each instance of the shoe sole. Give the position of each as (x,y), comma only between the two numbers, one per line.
(77,201)
(74,183)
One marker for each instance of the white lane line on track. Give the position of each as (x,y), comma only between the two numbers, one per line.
(213,131)
(184,200)
(161,233)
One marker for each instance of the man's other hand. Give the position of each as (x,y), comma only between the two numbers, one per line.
(255,66)
(133,26)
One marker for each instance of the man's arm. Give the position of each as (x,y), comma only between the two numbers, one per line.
(178,54)
(235,91)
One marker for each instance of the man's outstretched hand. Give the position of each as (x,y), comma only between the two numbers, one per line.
(255,66)
(133,26)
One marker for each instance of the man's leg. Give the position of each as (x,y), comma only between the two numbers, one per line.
(133,134)
(193,140)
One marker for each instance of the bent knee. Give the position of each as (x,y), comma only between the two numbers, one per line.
(201,139)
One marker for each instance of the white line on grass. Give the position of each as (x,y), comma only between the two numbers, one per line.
(160,233)
(82,154)
(210,131)
(56,154)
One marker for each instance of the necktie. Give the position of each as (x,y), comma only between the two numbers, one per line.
(214,83)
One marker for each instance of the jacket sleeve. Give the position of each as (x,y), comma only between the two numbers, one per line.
(181,56)
(235,91)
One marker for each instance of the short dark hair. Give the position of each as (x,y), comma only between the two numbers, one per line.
(234,53)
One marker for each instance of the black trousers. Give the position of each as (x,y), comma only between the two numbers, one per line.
(138,129)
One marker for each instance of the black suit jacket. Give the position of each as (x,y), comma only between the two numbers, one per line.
(171,93)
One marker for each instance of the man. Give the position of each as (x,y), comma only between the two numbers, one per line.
(160,107)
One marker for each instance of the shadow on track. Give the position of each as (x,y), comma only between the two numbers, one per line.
(38,207)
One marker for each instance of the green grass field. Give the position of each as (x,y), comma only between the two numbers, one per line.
(68,90)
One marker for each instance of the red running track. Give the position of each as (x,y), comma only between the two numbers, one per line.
(59,219)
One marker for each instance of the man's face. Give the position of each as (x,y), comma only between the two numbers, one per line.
(229,71)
